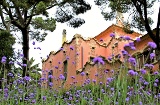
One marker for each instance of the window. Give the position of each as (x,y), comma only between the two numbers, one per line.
(65,69)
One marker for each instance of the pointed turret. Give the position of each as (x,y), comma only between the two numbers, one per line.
(63,36)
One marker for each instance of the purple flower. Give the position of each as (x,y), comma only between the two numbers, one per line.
(124,52)
(156,72)
(149,66)
(127,38)
(152,45)
(77,53)
(98,60)
(143,71)
(146,83)
(61,77)
(73,62)
(61,48)
(156,81)
(33,42)
(83,73)
(140,103)
(24,65)
(73,77)
(59,62)
(27,78)
(50,84)
(127,99)
(152,55)
(131,72)
(138,39)
(3,60)
(50,76)
(11,62)
(10,74)
(67,57)
(131,44)
(39,48)
(132,61)
(126,45)
(56,67)
(155,84)
(71,47)
(109,79)
(112,35)
(44,98)
(112,89)
(101,40)
(21,55)
(94,81)
(133,48)
(110,58)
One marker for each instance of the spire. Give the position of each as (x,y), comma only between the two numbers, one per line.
(63,36)
(119,19)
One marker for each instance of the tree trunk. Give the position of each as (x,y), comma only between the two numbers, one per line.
(25,34)
(158,39)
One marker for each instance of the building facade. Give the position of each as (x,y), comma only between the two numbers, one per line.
(73,63)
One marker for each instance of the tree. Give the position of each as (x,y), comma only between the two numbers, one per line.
(139,10)
(31,17)
(6,51)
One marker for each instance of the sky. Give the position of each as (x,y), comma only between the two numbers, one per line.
(94,24)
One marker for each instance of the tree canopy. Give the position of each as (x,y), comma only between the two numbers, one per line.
(30,17)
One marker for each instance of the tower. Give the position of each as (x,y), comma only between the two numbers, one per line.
(119,19)
(63,36)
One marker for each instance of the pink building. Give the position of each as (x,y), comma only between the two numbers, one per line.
(73,63)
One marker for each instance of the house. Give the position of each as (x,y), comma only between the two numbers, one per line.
(73,63)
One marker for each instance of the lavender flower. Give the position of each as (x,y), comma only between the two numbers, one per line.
(112,35)
(27,78)
(124,52)
(132,61)
(71,47)
(127,38)
(11,62)
(33,42)
(146,83)
(156,81)
(61,48)
(127,99)
(101,40)
(143,71)
(44,98)
(131,72)
(56,67)
(152,55)
(83,73)
(156,73)
(138,39)
(73,77)
(98,60)
(39,48)
(3,60)
(61,77)
(24,65)
(152,45)
(155,84)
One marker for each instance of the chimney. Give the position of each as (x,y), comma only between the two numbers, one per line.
(63,36)
(119,19)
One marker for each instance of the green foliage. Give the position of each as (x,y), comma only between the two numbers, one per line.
(128,6)
(6,43)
